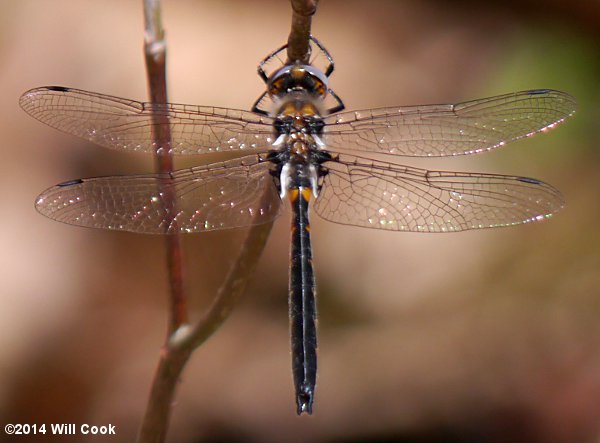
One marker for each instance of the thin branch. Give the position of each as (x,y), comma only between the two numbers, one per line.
(298,41)
(158,412)
(155,54)
(156,419)
(182,338)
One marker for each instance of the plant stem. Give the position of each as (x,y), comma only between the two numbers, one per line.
(298,40)
(182,338)
(155,55)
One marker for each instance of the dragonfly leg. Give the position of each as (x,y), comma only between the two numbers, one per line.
(340,104)
(267,59)
(330,68)
(256,107)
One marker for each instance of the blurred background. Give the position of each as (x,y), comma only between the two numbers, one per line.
(488,336)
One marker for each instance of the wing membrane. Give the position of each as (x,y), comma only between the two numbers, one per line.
(128,125)
(444,130)
(229,194)
(368,193)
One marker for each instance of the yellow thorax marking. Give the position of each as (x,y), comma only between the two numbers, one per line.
(296,192)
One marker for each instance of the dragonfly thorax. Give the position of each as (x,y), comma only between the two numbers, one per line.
(299,153)
(298,122)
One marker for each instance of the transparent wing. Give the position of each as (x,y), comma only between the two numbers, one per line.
(368,193)
(443,130)
(128,125)
(229,194)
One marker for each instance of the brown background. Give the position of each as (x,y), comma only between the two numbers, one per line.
(488,336)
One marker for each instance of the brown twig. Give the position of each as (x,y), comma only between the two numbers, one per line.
(155,55)
(155,422)
(182,338)
(158,411)
(298,40)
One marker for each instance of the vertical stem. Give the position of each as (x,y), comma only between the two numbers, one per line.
(183,339)
(155,55)
(298,40)
(156,419)
(158,412)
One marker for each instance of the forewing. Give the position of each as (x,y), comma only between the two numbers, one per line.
(368,193)
(229,194)
(129,125)
(443,130)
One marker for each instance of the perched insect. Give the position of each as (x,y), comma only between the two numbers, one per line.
(298,150)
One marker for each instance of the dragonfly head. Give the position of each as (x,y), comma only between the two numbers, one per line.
(297,78)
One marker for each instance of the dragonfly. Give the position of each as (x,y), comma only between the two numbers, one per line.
(299,144)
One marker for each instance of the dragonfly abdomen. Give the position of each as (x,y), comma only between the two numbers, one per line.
(302,302)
